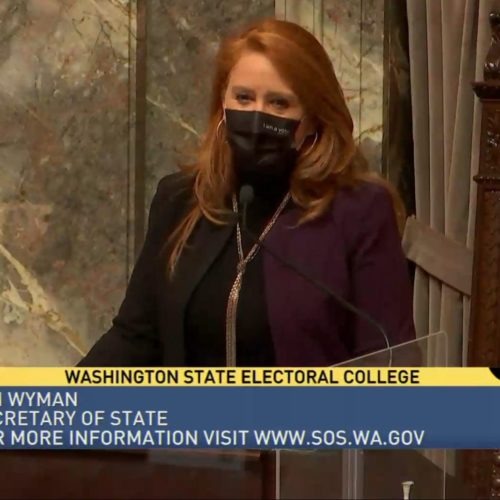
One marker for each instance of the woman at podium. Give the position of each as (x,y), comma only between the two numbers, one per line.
(277,246)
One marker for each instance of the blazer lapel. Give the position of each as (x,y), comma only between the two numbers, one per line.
(205,244)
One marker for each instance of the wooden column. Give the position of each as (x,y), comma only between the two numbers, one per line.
(482,467)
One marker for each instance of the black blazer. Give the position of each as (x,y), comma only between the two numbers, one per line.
(355,249)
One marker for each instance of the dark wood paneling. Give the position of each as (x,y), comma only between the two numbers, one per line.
(397,140)
(482,467)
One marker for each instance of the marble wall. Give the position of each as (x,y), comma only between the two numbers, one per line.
(64,126)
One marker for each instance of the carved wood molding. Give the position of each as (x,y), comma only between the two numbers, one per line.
(482,467)
(484,343)
(491,163)
(492,62)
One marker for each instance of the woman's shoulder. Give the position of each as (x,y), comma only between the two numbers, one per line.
(365,199)
(174,185)
(172,197)
(174,190)
(366,212)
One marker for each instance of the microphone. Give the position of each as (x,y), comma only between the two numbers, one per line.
(246,196)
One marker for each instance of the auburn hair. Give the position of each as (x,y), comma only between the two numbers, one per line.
(327,161)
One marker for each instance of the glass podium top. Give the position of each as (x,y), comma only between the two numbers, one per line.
(370,474)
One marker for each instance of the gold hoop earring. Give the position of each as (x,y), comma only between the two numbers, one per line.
(218,128)
(311,147)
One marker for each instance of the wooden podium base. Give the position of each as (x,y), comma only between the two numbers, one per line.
(127,475)
(198,474)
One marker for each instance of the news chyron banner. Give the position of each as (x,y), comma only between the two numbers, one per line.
(275,408)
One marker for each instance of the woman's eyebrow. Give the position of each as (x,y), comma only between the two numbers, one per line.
(239,88)
(273,94)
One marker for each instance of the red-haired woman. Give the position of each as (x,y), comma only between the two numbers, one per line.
(202,293)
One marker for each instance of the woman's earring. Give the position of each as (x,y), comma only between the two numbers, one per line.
(313,144)
(218,128)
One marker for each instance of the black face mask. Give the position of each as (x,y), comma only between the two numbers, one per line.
(262,146)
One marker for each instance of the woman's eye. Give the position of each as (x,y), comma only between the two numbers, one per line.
(280,103)
(243,98)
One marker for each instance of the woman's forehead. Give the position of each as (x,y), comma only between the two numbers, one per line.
(256,72)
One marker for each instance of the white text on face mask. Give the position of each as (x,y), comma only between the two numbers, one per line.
(277,130)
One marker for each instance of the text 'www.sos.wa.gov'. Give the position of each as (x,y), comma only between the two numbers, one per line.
(312,438)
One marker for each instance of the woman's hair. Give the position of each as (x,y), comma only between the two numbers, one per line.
(326,162)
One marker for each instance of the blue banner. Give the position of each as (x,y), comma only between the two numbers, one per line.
(249,417)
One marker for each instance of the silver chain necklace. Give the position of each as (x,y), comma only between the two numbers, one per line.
(234,294)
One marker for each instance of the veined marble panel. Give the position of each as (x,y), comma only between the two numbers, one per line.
(353,37)
(372,80)
(64,131)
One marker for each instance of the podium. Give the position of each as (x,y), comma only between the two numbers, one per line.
(211,474)
(137,474)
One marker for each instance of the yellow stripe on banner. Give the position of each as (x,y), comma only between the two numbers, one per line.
(291,377)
